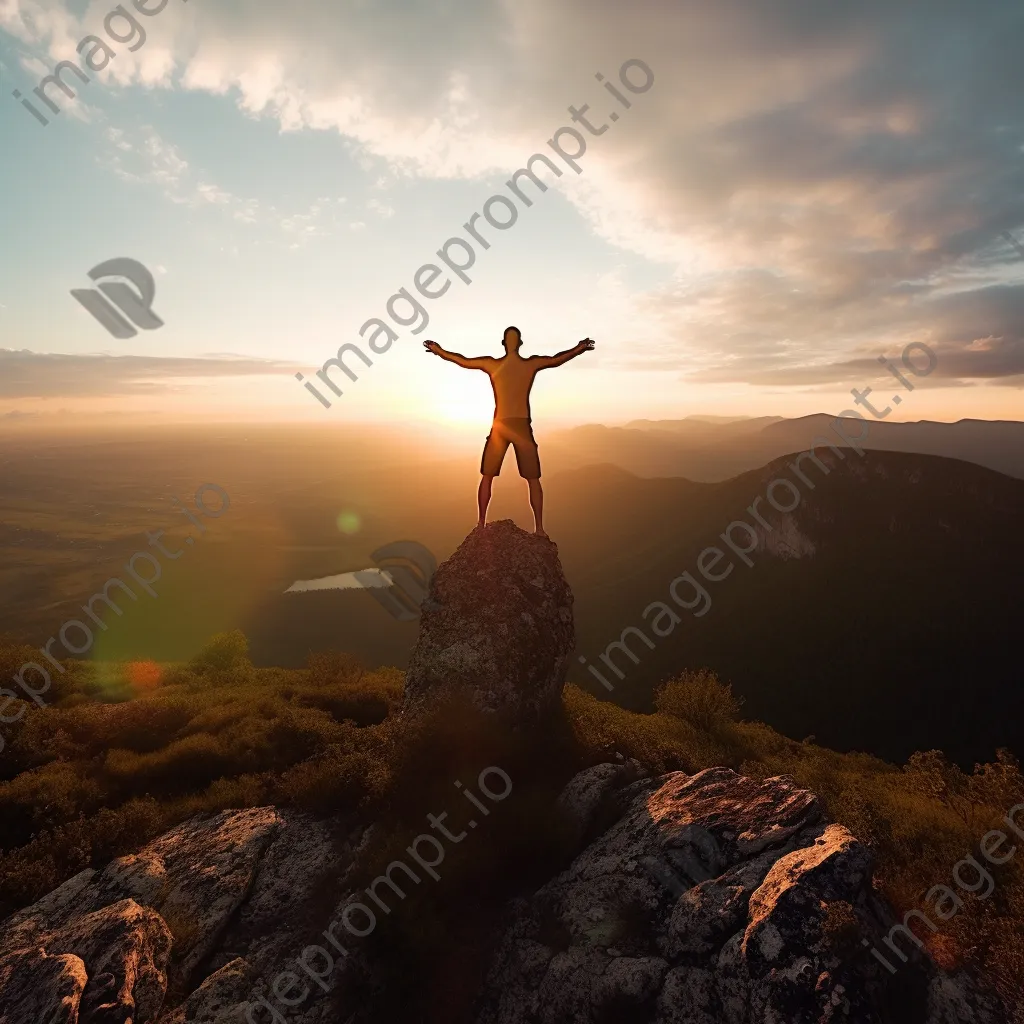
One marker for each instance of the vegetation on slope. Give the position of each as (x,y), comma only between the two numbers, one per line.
(126,751)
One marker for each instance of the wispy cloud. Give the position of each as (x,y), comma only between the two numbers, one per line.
(824,180)
(146,158)
(823,184)
(25,374)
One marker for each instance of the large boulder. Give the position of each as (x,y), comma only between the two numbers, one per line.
(496,627)
(107,967)
(206,910)
(705,899)
(712,899)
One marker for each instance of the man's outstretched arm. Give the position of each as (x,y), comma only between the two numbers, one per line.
(469,362)
(586,345)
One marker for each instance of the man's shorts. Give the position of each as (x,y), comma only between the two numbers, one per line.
(519,434)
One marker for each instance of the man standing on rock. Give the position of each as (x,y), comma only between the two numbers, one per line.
(511,380)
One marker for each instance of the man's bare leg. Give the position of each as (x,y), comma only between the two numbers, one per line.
(537,504)
(483,498)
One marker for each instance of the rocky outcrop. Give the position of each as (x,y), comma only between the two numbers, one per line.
(705,899)
(710,899)
(496,627)
(202,910)
(109,965)
(592,790)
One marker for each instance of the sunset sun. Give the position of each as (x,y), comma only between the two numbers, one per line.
(465,398)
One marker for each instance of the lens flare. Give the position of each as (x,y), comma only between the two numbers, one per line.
(349,522)
(143,675)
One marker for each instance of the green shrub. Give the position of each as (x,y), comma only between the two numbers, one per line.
(700,698)
(183,766)
(662,743)
(13,655)
(933,775)
(224,652)
(56,854)
(350,694)
(45,798)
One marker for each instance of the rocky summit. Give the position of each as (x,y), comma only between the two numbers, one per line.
(710,898)
(496,627)
(704,899)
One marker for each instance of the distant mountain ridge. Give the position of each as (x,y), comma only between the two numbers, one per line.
(881,614)
(929,569)
(702,450)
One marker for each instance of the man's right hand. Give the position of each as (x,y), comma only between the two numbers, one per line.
(432,346)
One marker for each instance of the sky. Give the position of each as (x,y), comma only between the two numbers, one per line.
(795,189)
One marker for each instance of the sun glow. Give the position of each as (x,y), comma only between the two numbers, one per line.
(465,399)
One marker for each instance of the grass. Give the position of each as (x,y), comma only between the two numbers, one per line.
(124,753)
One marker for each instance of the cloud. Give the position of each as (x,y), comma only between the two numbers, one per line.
(773,333)
(44,26)
(145,157)
(25,374)
(827,180)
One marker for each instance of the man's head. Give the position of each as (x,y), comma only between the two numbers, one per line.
(512,340)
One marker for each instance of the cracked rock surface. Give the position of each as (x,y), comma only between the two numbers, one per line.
(198,912)
(496,627)
(707,901)
(703,899)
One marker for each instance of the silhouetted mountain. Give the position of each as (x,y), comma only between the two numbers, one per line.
(921,569)
(880,614)
(701,449)
(706,426)
(996,444)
